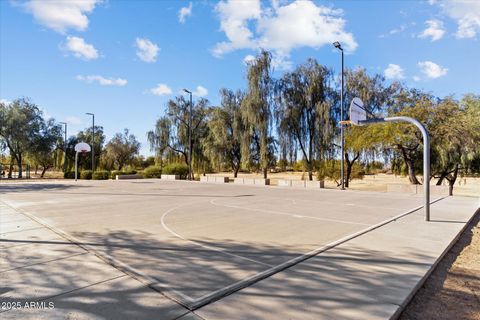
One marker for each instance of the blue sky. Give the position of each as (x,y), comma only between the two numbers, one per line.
(122,60)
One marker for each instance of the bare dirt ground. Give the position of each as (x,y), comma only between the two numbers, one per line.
(453,290)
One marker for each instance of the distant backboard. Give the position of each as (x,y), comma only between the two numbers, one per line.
(82,147)
(357,111)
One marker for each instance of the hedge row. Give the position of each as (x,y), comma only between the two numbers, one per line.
(150,172)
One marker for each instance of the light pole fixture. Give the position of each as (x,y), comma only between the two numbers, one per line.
(190,136)
(93,139)
(65,147)
(337,45)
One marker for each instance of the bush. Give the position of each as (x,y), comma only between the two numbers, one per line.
(176,169)
(119,173)
(86,174)
(69,175)
(152,172)
(100,175)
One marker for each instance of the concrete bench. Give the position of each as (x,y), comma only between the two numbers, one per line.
(128,176)
(170,177)
(214,179)
(252,181)
(301,184)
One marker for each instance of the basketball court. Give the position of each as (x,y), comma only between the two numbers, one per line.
(196,243)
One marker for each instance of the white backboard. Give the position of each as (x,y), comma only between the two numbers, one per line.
(357,111)
(82,147)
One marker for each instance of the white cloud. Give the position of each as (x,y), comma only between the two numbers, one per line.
(248,58)
(280,28)
(431,69)
(184,13)
(5,101)
(147,51)
(416,78)
(465,12)
(102,80)
(61,15)
(394,71)
(73,120)
(161,90)
(200,91)
(80,48)
(435,30)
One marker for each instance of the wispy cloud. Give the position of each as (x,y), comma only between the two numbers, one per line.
(435,30)
(184,13)
(161,90)
(394,71)
(102,80)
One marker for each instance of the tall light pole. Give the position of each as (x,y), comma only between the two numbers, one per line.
(337,45)
(189,136)
(93,139)
(65,148)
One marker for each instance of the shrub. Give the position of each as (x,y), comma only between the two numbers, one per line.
(152,172)
(176,169)
(116,173)
(100,175)
(69,175)
(86,174)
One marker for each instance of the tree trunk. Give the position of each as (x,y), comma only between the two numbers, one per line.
(349,167)
(265,171)
(451,180)
(410,166)
(43,171)
(442,177)
(235,171)
(19,162)
(411,172)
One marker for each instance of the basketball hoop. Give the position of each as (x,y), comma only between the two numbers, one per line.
(81,148)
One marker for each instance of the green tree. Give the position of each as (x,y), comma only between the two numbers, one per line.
(257,112)
(376,96)
(21,124)
(171,131)
(303,109)
(122,148)
(455,136)
(86,136)
(226,128)
(44,145)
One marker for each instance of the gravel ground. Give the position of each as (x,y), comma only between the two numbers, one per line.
(453,290)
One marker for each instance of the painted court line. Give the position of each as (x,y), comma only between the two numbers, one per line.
(150,282)
(286,214)
(164,225)
(218,294)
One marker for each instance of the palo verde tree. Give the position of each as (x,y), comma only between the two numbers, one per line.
(171,131)
(122,148)
(303,109)
(226,128)
(257,112)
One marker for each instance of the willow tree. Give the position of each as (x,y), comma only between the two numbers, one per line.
(303,108)
(455,135)
(171,131)
(226,128)
(257,112)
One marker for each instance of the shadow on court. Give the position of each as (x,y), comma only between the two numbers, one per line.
(21,187)
(187,264)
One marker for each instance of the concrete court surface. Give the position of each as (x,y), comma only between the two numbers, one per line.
(194,245)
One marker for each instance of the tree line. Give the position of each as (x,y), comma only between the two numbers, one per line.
(275,122)
(288,122)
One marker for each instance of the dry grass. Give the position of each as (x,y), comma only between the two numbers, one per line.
(453,290)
